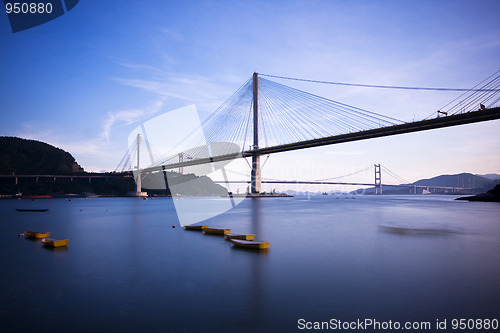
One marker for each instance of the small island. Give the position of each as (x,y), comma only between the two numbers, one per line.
(492,195)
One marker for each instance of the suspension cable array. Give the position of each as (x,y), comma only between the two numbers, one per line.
(484,89)
(394,175)
(286,115)
(329,179)
(228,124)
(126,161)
(482,95)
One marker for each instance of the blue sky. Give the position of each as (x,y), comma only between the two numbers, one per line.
(82,82)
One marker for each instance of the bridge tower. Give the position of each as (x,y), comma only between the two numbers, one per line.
(138,191)
(181,159)
(255,175)
(138,180)
(378,179)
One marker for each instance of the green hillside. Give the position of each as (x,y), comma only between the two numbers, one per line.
(30,157)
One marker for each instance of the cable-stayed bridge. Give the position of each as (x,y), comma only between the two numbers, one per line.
(265,117)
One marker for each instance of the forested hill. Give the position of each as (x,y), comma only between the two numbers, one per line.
(30,157)
(466,180)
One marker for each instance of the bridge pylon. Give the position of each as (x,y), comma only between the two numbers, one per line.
(138,191)
(256,175)
(378,179)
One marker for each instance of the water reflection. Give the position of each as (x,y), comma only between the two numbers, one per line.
(251,287)
(256,214)
(126,269)
(56,249)
(415,231)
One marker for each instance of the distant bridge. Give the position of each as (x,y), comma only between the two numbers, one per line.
(377,184)
(305,182)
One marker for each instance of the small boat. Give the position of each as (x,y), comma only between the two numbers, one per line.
(214,231)
(248,237)
(31,210)
(251,244)
(51,242)
(36,235)
(195,227)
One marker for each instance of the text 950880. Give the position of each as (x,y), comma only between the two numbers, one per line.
(28,8)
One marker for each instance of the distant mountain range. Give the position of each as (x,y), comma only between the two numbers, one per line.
(474,184)
(492,176)
(471,184)
(459,180)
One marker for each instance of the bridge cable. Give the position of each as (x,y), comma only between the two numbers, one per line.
(464,100)
(126,159)
(326,179)
(394,175)
(378,86)
(344,176)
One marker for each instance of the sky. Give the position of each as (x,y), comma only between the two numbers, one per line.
(85,80)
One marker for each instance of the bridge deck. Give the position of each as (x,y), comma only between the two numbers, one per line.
(423,125)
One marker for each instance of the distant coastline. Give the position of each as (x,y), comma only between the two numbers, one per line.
(492,195)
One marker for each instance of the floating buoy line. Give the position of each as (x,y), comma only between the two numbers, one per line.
(239,240)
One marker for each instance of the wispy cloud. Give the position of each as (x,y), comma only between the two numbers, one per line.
(191,89)
(129,116)
(138,67)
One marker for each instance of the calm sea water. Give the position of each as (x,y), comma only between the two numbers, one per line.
(126,269)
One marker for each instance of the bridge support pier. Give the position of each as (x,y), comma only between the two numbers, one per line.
(256,177)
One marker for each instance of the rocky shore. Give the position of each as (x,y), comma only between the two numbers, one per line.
(492,195)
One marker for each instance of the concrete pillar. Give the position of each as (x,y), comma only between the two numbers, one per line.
(256,177)
(138,191)
(138,180)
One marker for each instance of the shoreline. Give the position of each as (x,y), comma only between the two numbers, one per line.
(71,196)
